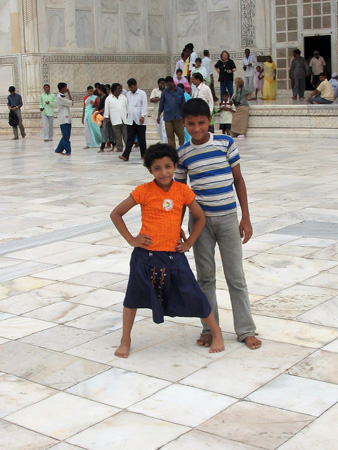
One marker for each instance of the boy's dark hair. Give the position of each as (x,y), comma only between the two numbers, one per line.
(169,79)
(102,88)
(198,76)
(180,85)
(131,82)
(297,51)
(160,79)
(198,59)
(11,89)
(206,52)
(322,74)
(61,86)
(195,107)
(158,151)
(97,84)
(179,70)
(91,87)
(225,93)
(46,84)
(190,46)
(114,86)
(107,85)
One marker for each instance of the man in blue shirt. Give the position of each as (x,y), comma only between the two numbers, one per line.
(14,103)
(172,100)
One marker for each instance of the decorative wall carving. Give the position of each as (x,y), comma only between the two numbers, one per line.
(220,29)
(219,5)
(132,6)
(30,22)
(109,5)
(110,30)
(248,10)
(155,31)
(188,6)
(134,32)
(56,28)
(84,29)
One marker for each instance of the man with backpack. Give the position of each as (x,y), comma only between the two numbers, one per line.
(14,103)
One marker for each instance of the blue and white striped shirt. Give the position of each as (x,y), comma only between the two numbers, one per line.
(210,172)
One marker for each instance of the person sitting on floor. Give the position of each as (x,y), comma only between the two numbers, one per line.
(323,95)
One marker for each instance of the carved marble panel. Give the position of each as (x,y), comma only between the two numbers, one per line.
(109,5)
(187,6)
(132,6)
(32,78)
(110,30)
(220,5)
(221,29)
(84,28)
(155,6)
(55,3)
(6,79)
(248,8)
(155,31)
(189,30)
(84,4)
(134,32)
(56,28)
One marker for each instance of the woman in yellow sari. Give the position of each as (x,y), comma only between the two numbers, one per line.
(270,83)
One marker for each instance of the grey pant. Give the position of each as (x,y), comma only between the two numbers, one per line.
(48,123)
(120,132)
(249,83)
(22,128)
(224,231)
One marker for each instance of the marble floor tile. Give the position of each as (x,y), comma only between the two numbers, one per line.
(288,331)
(184,405)
(61,338)
(119,388)
(311,228)
(195,439)
(13,437)
(293,301)
(321,434)
(61,415)
(17,393)
(27,301)
(332,347)
(61,312)
(65,291)
(36,253)
(330,253)
(4,315)
(293,250)
(324,314)
(22,269)
(82,253)
(100,298)
(18,327)
(47,367)
(297,394)
(64,446)
(148,433)
(313,242)
(239,423)
(97,279)
(321,365)
(22,284)
(246,370)
(325,280)
(104,321)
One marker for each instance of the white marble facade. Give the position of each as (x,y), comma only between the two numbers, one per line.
(43,41)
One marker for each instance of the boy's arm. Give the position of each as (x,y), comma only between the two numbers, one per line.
(142,241)
(198,214)
(245,227)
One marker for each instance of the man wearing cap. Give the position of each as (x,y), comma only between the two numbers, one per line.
(323,94)
(14,103)
(334,84)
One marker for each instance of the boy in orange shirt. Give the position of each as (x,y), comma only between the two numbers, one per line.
(160,277)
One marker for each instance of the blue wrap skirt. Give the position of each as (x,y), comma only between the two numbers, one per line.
(164,282)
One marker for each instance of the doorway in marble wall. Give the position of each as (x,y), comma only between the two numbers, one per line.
(323,45)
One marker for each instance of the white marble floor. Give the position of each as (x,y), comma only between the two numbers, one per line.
(63,273)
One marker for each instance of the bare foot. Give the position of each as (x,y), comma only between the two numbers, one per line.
(217,343)
(123,350)
(205,340)
(252,342)
(84,148)
(100,151)
(123,158)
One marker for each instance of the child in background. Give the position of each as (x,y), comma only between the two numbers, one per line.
(259,81)
(187,98)
(227,108)
(160,277)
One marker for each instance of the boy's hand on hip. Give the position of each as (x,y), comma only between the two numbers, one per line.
(141,240)
(245,230)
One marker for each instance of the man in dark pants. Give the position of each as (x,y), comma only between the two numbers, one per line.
(14,103)
(137,113)
(63,102)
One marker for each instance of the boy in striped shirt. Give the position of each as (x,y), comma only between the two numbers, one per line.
(212,163)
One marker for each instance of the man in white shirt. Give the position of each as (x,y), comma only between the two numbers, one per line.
(317,65)
(207,63)
(192,56)
(334,84)
(155,98)
(115,111)
(249,63)
(63,102)
(181,63)
(202,90)
(137,113)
